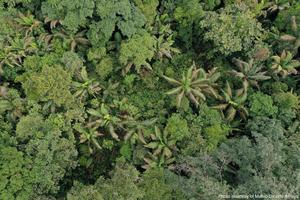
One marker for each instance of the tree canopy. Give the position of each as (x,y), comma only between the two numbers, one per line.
(149,99)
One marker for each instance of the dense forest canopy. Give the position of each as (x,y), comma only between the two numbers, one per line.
(149,99)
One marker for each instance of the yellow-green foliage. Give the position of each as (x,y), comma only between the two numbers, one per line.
(286,100)
(215,134)
(148,8)
(51,83)
(244,32)
(105,67)
(139,50)
(177,127)
(262,105)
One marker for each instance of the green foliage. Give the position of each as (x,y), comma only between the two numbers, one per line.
(288,105)
(100,32)
(210,4)
(207,129)
(276,87)
(188,15)
(184,15)
(285,15)
(151,103)
(247,165)
(244,30)
(72,14)
(126,151)
(154,184)
(29,126)
(80,191)
(208,116)
(262,105)
(151,185)
(44,157)
(85,86)
(104,117)
(12,3)
(123,184)
(121,14)
(11,104)
(89,136)
(73,63)
(14,174)
(165,42)
(202,180)
(16,49)
(71,40)
(269,140)
(129,18)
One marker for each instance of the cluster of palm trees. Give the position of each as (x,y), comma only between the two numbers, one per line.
(197,85)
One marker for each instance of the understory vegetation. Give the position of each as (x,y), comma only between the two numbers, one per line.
(149,99)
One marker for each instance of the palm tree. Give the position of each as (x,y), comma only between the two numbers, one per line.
(164,41)
(15,49)
(28,23)
(104,118)
(233,103)
(249,73)
(3,90)
(9,58)
(164,47)
(195,84)
(284,64)
(73,40)
(47,37)
(294,38)
(53,22)
(277,5)
(134,128)
(161,147)
(86,86)
(89,135)
(110,89)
